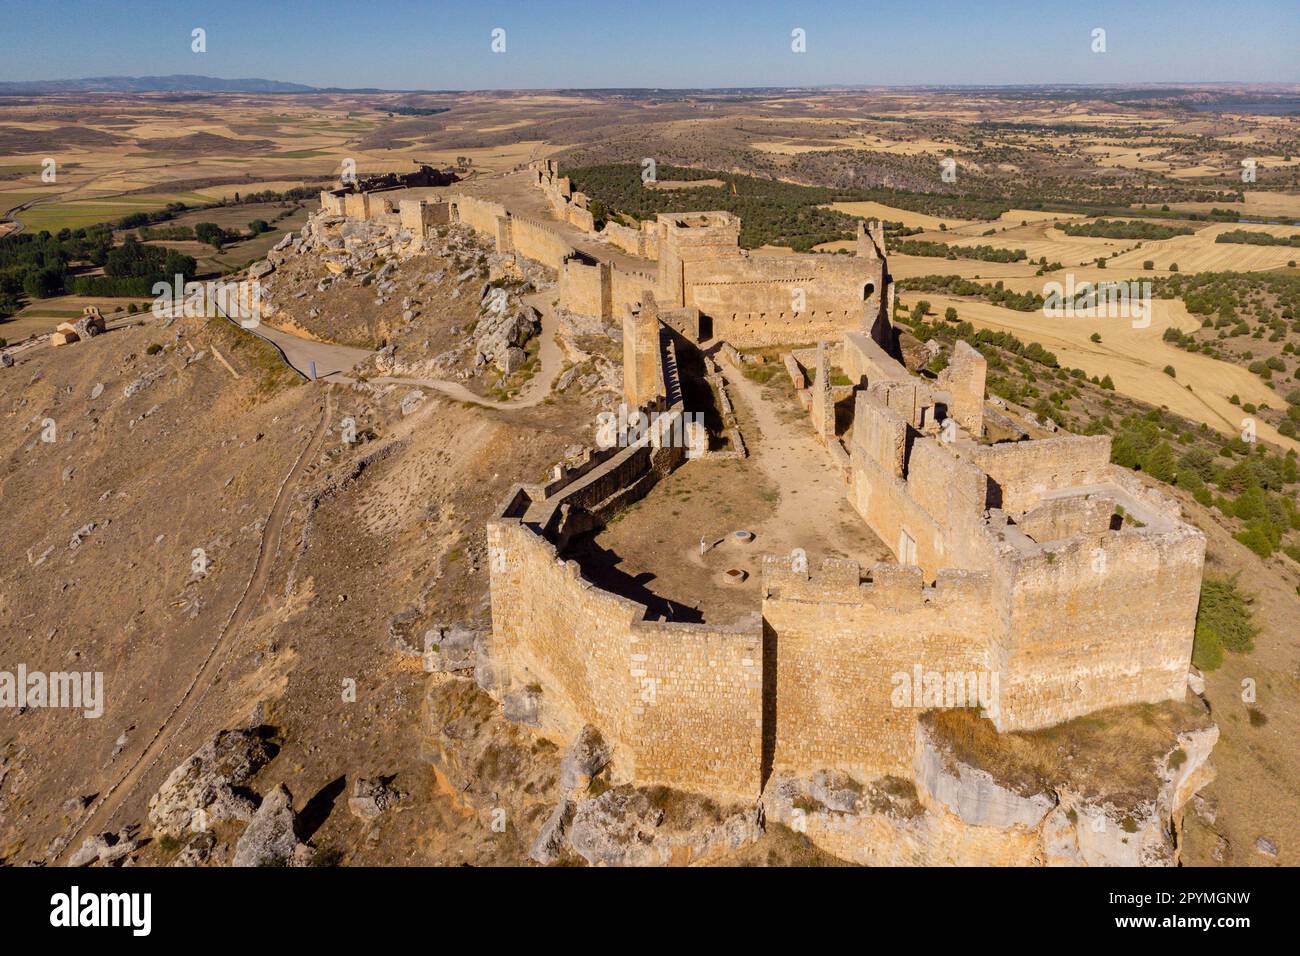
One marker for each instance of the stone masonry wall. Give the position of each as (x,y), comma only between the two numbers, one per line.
(539,243)
(680,702)
(1025,470)
(838,649)
(1130,600)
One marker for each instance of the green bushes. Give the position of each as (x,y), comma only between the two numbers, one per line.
(1223,623)
(941,250)
(1251,238)
(1120,229)
(956,285)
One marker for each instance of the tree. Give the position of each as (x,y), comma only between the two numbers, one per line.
(259,226)
(210,233)
(1159,463)
(950,314)
(1107,384)
(44,283)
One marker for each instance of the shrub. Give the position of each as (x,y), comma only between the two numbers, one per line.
(1223,622)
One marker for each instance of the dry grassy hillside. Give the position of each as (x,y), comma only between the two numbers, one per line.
(389,527)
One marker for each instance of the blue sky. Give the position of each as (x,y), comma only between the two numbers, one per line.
(407,44)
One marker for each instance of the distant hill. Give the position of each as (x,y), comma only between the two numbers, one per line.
(179,83)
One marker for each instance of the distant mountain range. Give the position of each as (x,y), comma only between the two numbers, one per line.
(179,83)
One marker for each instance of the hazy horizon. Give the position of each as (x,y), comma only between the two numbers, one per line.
(404,45)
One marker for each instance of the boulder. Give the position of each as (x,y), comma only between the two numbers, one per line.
(836,790)
(105,849)
(88,326)
(208,786)
(372,797)
(586,757)
(450,648)
(198,851)
(616,829)
(412,400)
(272,836)
(512,360)
(553,839)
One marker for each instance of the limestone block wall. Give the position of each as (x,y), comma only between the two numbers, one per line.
(916,488)
(699,716)
(478,214)
(964,379)
(330,203)
(681,703)
(628,287)
(356,205)
(776,284)
(580,217)
(600,289)
(540,243)
(584,288)
(1025,471)
(1129,598)
(419,215)
(838,647)
(757,329)
(552,627)
(643,242)
(866,363)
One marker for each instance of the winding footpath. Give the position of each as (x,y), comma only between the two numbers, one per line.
(101,815)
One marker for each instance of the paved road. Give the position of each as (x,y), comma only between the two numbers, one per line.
(330,361)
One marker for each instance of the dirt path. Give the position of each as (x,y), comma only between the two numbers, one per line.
(101,816)
(813,506)
(310,358)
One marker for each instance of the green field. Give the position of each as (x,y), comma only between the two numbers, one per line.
(55,215)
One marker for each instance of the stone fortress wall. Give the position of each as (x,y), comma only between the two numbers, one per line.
(1034,560)
(746,299)
(680,702)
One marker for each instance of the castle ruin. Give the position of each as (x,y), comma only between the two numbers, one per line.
(1034,561)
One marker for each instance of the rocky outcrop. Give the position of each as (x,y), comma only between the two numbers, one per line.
(372,797)
(655,826)
(210,785)
(106,849)
(958,814)
(500,336)
(272,837)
